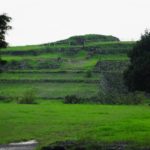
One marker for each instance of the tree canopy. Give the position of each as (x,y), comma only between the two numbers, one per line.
(4,20)
(4,26)
(137,76)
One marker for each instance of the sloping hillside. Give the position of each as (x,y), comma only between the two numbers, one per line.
(65,67)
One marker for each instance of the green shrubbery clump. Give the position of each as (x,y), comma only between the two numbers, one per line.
(27,98)
(111,98)
(72,99)
(117,98)
(88,74)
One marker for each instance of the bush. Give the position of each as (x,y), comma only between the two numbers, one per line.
(72,99)
(6,99)
(109,98)
(117,98)
(27,98)
(88,74)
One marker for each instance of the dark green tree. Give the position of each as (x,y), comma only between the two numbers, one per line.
(137,76)
(4,20)
(4,27)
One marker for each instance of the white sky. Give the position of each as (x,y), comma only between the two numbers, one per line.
(41,21)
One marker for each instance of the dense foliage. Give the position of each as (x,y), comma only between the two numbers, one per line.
(4,20)
(137,76)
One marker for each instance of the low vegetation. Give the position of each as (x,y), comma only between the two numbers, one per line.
(109,98)
(27,98)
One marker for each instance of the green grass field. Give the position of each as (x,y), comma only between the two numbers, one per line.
(81,55)
(52,121)
(49,90)
(76,63)
(117,44)
(80,60)
(48,85)
(24,48)
(49,76)
(30,57)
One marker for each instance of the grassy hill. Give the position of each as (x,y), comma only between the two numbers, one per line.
(52,71)
(77,40)
(57,69)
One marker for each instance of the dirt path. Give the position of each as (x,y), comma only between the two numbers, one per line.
(29,145)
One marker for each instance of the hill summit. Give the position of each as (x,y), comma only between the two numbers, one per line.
(77,40)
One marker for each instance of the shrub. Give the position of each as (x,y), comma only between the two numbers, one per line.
(72,99)
(6,99)
(88,74)
(109,98)
(117,98)
(27,98)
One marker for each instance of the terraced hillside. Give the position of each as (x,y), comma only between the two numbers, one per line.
(66,67)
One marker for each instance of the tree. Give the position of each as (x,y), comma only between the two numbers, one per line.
(137,76)
(4,20)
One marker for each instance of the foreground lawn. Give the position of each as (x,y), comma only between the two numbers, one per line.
(52,121)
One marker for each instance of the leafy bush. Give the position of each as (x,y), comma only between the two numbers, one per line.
(117,98)
(88,74)
(6,99)
(110,98)
(27,98)
(72,99)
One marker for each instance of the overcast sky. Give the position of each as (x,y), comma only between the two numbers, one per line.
(41,21)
